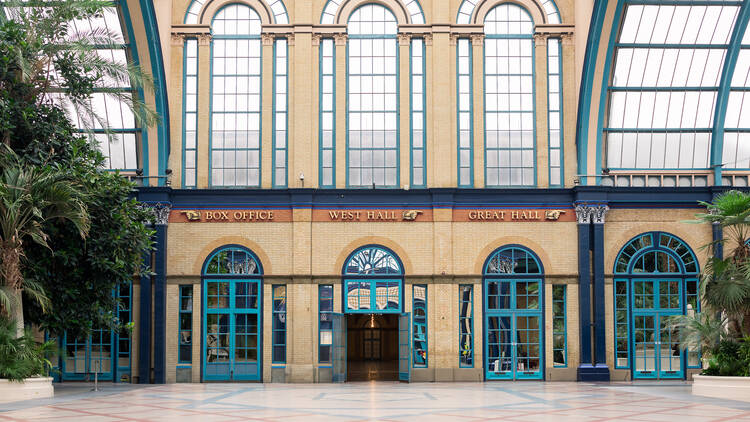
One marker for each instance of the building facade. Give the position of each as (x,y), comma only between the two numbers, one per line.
(434,190)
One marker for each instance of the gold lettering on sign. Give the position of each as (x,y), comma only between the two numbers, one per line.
(514,215)
(230,216)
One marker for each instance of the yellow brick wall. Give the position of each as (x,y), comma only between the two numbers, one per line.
(304,32)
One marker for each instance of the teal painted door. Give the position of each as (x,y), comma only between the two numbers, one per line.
(404,347)
(513,342)
(657,354)
(231,346)
(338,347)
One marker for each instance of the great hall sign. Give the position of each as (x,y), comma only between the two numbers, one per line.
(372,215)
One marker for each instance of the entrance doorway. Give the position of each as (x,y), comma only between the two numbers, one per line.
(372,347)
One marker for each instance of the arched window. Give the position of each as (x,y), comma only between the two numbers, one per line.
(509,97)
(373,277)
(513,286)
(236,97)
(372,115)
(667,92)
(656,276)
(232,306)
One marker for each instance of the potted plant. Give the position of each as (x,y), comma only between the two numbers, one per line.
(722,330)
(24,365)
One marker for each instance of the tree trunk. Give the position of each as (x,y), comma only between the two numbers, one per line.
(12,279)
(17,311)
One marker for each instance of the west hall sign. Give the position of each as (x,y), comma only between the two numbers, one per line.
(371,215)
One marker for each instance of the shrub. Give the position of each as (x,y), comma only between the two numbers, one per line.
(731,358)
(23,357)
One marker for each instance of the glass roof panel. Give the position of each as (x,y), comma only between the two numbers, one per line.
(666,77)
(108,109)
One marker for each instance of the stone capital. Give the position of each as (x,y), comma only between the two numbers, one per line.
(316,39)
(267,39)
(177,40)
(477,39)
(340,39)
(427,39)
(591,212)
(160,212)
(404,39)
(204,39)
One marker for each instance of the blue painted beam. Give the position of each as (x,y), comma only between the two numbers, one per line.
(722,99)
(584,294)
(144,327)
(587,82)
(160,305)
(600,348)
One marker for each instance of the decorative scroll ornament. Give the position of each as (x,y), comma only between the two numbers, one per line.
(160,212)
(587,213)
(553,214)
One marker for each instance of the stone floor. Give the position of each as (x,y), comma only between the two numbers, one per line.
(385,401)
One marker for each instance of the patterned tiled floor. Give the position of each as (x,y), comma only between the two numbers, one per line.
(385,401)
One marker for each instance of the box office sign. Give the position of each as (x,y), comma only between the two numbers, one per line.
(231,216)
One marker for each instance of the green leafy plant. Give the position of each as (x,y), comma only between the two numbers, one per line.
(23,357)
(721,330)
(49,70)
(29,197)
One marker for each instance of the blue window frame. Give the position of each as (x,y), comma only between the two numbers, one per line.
(513,317)
(656,276)
(555,112)
(372,93)
(419,324)
(280,121)
(327,113)
(96,353)
(190,114)
(325,322)
(510,132)
(465,111)
(466,326)
(559,326)
(278,352)
(235,97)
(418,116)
(232,315)
(185,344)
(372,281)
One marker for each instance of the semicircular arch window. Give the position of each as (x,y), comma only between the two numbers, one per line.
(512,260)
(373,260)
(232,260)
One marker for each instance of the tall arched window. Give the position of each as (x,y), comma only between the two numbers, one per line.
(372,115)
(236,97)
(509,97)
(232,308)
(513,281)
(656,276)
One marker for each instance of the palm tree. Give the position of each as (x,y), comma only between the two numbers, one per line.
(30,196)
(725,282)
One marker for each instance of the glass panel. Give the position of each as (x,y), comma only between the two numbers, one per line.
(327,111)
(236,97)
(670,354)
(419,318)
(465,114)
(217,338)
(499,343)
(509,97)
(466,325)
(645,343)
(559,341)
(528,356)
(372,97)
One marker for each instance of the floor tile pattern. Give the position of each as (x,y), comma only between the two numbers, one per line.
(381,401)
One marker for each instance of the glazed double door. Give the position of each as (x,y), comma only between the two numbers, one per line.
(657,352)
(514,346)
(231,342)
(656,348)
